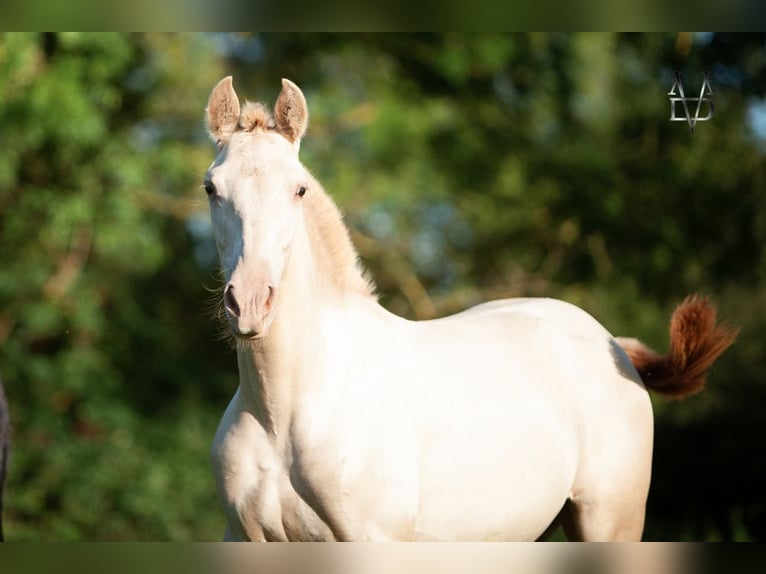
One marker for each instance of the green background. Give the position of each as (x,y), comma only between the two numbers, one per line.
(469,167)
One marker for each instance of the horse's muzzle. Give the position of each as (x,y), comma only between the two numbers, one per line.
(249,315)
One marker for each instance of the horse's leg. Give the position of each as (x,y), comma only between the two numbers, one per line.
(604,520)
(252,532)
(608,501)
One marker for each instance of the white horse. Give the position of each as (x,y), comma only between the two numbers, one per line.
(351,423)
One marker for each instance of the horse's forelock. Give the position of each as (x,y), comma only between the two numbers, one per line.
(255,116)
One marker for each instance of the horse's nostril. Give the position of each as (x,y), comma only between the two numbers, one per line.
(230,301)
(269,299)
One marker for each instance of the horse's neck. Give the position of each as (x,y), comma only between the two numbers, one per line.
(277,369)
(334,255)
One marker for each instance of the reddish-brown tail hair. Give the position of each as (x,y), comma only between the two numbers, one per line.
(696,341)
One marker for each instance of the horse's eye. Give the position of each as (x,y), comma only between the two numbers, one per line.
(301,191)
(209,188)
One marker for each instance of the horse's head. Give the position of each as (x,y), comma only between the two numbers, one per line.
(255,187)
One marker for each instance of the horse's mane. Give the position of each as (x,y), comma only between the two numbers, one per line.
(326,229)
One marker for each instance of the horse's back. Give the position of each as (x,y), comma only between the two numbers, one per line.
(538,312)
(534,341)
(531,329)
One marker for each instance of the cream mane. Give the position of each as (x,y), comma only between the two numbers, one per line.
(338,260)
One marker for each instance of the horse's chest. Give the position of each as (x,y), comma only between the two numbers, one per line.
(255,486)
(281,512)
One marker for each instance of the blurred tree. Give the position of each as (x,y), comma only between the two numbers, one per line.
(469,167)
(100,298)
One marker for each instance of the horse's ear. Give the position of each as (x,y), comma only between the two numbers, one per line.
(222,112)
(291,111)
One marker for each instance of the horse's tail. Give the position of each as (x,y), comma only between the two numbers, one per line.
(696,341)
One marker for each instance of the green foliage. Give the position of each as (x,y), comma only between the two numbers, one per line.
(469,167)
(93,219)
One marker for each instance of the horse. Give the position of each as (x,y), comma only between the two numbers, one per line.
(4,447)
(352,423)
